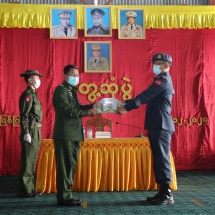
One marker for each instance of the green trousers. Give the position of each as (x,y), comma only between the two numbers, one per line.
(28,161)
(66,153)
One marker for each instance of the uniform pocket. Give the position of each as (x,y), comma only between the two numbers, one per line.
(37,107)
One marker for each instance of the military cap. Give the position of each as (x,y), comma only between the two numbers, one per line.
(30,72)
(65,14)
(162,56)
(131,14)
(97,12)
(96,47)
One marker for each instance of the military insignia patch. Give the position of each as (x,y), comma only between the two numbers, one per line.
(158,82)
(27,98)
(159,56)
(70,93)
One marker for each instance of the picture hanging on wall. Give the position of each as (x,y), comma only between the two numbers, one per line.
(97,56)
(97,21)
(131,24)
(63,23)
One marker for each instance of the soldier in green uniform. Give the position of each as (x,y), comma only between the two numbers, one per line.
(30,135)
(68,132)
(97,62)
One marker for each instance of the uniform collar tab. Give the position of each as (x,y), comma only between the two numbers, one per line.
(65,83)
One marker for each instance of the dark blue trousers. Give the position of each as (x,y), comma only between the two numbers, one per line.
(160,144)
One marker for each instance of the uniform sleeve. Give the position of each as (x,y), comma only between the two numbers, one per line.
(121,31)
(25,107)
(54,31)
(66,107)
(153,90)
(106,65)
(141,31)
(86,107)
(89,67)
(74,30)
(84,112)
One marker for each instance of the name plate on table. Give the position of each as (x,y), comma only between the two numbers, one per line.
(103,134)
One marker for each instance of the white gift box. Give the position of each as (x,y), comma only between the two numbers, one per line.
(107,105)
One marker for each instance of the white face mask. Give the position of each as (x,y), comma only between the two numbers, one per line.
(156,69)
(37,85)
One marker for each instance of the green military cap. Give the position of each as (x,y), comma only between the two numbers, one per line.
(131,14)
(30,72)
(97,11)
(96,47)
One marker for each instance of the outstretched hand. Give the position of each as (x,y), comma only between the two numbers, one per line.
(121,110)
(92,112)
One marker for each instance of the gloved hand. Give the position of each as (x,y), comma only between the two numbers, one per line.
(27,138)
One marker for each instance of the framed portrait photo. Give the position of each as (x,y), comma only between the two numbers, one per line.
(63,23)
(97,57)
(97,21)
(131,24)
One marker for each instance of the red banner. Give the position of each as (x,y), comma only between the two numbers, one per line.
(192,73)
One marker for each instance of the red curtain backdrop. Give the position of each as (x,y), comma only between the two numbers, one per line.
(193,74)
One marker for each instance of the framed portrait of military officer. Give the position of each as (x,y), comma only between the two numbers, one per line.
(97,21)
(131,24)
(97,56)
(63,23)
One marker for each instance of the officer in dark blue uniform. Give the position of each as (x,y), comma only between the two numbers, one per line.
(159,123)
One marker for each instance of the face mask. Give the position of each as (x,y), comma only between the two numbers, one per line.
(73,81)
(37,85)
(156,69)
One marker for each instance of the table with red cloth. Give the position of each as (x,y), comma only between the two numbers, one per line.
(118,164)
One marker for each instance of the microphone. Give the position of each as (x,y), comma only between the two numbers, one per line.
(141,135)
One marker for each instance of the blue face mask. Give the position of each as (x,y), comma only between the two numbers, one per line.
(73,81)
(37,85)
(156,69)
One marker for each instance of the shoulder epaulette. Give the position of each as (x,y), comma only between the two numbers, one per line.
(27,91)
(89,30)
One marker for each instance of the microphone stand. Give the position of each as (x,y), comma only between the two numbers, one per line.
(141,135)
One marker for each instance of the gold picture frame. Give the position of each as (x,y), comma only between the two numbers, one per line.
(131,24)
(98,56)
(63,23)
(97,21)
